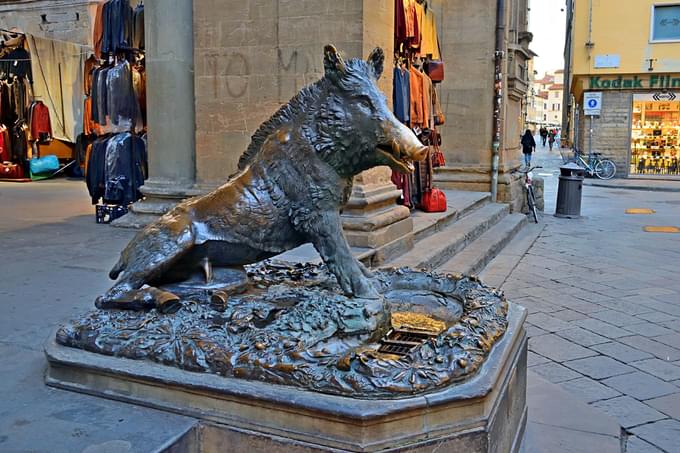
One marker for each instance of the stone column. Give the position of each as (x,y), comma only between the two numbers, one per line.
(372,218)
(171,121)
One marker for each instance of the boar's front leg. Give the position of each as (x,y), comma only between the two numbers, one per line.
(325,233)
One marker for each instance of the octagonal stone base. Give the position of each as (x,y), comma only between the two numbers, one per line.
(486,413)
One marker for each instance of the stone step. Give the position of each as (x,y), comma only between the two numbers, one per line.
(458,204)
(486,246)
(434,250)
(499,269)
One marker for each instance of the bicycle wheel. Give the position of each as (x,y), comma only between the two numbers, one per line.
(531,202)
(605,169)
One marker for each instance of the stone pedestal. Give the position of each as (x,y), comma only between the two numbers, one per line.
(486,413)
(372,217)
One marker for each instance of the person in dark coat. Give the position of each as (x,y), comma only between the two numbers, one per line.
(528,147)
(544,134)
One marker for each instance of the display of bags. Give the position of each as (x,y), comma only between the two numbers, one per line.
(43,165)
(9,170)
(435,70)
(434,200)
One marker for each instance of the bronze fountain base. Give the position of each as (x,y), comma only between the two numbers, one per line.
(284,360)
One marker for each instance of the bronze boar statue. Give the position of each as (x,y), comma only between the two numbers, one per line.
(293,180)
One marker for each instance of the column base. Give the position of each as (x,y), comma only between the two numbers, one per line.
(478,179)
(372,218)
(159,198)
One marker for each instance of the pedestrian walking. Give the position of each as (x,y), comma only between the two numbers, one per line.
(551,138)
(528,147)
(544,134)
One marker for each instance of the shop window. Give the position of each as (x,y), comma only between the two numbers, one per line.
(655,139)
(665,23)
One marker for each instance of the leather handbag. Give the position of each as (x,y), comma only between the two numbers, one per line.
(42,165)
(434,200)
(9,170)
(438,158)
(435,70)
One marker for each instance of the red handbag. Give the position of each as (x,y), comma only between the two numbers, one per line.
(435,70)
(9,170)
(434,201)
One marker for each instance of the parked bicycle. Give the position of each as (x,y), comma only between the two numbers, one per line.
(595,165)
(531,199)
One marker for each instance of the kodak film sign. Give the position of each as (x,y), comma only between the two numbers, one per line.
(651,81)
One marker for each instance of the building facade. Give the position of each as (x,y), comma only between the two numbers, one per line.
(216,69)
(630,56)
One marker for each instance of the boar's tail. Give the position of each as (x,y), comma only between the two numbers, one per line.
(117,269)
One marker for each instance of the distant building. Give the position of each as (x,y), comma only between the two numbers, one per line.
(544,101)
(630,56)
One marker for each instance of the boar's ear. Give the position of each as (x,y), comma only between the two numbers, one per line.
(332,61)
(375,61)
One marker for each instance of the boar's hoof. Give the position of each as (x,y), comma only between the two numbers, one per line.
(141,299)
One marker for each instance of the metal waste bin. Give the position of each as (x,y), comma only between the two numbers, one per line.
(569,191)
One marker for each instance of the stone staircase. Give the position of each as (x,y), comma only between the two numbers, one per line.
(464,239)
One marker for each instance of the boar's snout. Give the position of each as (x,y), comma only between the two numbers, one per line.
(402,148)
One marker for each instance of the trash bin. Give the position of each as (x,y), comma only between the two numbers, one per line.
(569,191)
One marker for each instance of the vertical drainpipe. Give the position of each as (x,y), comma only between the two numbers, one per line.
(498,97)
(566,90)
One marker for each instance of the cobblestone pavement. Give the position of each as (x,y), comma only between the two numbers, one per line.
(604,307)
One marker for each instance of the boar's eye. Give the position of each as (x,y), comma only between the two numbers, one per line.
(365,102)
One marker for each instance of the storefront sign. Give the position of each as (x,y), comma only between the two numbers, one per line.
(592,103)
(652,81)
(664,96)
(607,61)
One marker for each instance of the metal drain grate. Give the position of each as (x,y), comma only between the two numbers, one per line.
(401,342)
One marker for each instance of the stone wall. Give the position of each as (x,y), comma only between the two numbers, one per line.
(253,56)
(55,19)
(466,34)
(611,130)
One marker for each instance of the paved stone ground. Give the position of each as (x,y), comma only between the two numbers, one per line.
(604,304)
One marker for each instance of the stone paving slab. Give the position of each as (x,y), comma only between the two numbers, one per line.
(629,411)
(599,367)
(669,405)
(672,340)
(554,372)
(659,368)
(616,318)
(602,328)
(589,390)
(640,385)
(547,323)
(582,337)
(557,348)
(663,434)
(648,329)
(660,350)
(636,445)
(621,352)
